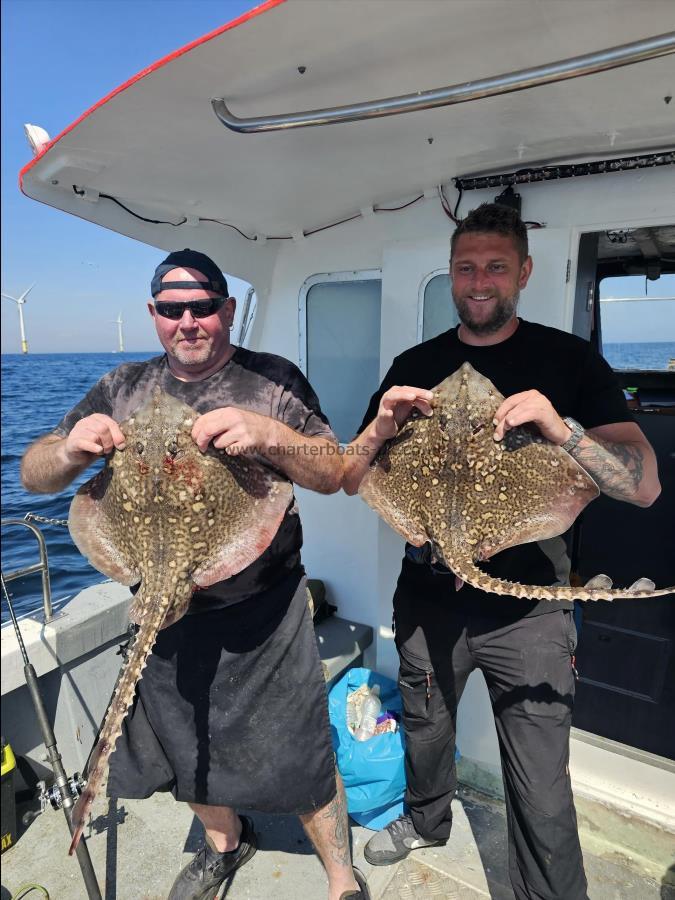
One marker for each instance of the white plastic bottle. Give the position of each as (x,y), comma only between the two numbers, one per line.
(369,713)
(352,718)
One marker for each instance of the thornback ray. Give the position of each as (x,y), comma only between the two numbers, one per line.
(444,480)
(163,513)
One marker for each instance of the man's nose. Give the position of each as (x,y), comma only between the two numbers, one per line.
(187,320)
(481,278)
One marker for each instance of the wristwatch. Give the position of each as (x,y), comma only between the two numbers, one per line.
(577,433)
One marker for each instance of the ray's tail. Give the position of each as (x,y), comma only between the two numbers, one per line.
(122,699)
(598,588)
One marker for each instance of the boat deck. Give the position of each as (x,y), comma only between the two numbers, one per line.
(138,847)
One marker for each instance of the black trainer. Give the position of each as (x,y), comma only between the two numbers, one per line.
(204,874)
(395,842)
(362,894)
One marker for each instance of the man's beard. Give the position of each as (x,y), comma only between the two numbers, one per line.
(194,355)
(503,311)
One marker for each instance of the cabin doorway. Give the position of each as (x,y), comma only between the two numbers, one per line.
(625,304)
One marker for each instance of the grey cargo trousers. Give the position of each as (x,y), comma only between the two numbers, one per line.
(527,664)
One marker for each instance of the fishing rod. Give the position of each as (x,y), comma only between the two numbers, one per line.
(65,790)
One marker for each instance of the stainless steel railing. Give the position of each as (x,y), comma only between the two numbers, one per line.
(42,566)
(574,67)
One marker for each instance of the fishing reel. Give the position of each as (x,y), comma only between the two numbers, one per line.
(52,796)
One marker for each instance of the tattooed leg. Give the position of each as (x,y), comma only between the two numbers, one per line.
(328,830)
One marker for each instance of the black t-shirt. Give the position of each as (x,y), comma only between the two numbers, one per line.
(577,381)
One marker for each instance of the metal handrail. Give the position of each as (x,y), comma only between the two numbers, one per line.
(576,66)
(632,299)
(42,566)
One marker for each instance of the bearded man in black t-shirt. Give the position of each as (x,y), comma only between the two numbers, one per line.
(562,385)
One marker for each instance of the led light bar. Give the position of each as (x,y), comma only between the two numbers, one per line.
(564,170)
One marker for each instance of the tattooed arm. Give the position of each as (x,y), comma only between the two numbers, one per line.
(621,460)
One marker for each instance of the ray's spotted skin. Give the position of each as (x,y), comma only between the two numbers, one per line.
(166,515)
(444,479)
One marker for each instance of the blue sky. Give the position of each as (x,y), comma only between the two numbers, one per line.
(59,57)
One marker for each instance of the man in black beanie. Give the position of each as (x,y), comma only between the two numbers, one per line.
(205,722)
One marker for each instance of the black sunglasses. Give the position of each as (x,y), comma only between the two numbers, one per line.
(200,309)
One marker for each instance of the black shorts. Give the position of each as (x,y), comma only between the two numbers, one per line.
(232,711)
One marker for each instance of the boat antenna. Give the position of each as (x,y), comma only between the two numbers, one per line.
(20,301)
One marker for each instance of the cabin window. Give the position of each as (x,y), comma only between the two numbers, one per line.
(637,319)
(438,310)
(342,344)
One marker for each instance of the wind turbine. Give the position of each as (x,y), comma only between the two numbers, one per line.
(20,303)
(120,338)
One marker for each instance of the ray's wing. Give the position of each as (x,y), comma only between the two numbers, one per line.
(392,485)
(99,533)
(247,503)
(519,490)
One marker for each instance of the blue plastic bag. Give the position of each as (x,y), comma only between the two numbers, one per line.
(373,771)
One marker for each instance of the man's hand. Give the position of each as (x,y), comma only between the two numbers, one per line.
(395,407)
(96,434)
(52,462)
(235,431)
(530,406)
(617,456)
(311,462)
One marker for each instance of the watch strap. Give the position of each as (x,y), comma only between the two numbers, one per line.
(577,433)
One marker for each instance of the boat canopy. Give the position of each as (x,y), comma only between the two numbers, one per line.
(154,151)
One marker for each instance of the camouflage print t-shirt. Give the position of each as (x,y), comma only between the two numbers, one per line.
(259,382)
